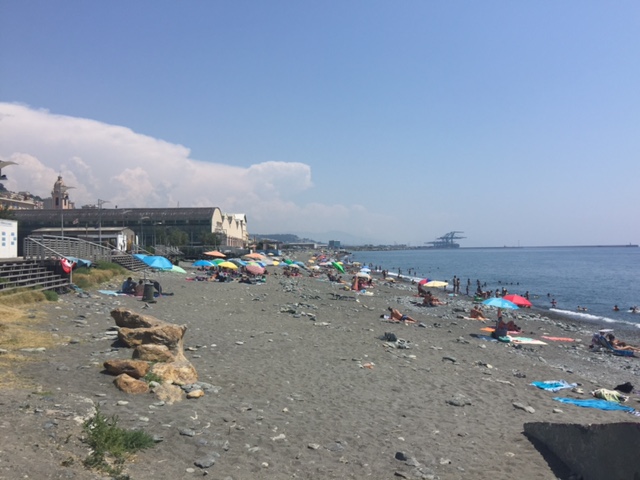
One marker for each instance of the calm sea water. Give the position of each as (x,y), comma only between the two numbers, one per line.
(596,278)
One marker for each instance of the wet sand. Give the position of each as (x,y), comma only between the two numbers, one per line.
(304,387)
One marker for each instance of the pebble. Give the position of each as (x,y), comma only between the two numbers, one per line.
(122,403)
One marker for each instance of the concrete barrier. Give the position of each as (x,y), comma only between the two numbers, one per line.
(608,451)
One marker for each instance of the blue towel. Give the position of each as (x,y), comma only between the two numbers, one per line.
(554,385)
(595,403)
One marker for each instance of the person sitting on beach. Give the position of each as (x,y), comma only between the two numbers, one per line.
(396,316)
(502,329)
(476,312)
(128,286)
(431,301)
(139,291)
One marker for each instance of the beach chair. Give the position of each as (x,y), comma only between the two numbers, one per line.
(606,345)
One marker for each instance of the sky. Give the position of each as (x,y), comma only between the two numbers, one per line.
(517,123)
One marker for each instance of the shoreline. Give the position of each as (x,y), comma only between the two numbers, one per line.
(305,387)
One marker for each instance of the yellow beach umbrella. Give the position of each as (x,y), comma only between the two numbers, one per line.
(229,265)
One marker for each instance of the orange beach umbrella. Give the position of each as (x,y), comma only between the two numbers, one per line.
(215,253)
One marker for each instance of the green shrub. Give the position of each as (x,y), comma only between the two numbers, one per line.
(107,439)
(50,295)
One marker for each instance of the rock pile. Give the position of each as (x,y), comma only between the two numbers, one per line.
(158,354)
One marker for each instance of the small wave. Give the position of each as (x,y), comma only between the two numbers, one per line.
(587,317)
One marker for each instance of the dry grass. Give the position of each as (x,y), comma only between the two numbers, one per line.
(19,329)
(25,297)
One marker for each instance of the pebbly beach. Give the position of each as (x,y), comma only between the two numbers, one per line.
(305,378)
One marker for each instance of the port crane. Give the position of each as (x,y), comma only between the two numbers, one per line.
(447,240)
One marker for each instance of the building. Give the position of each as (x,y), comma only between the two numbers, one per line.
(59,197)
(152,226)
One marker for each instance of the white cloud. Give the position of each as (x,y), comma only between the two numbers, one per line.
(133,170)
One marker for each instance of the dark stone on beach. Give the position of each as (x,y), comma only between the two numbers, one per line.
(207,461)
(451,359)
(401,456)
(389,337)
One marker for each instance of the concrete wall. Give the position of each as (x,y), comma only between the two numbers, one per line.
(608,451)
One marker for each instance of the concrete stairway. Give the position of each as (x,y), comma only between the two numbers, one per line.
(15,274)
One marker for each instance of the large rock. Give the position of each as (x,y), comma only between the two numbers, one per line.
(130,385)
(169,393)
(155,330)
(128,319)
(133,368)
(180,372)
(153,353)
(169,335)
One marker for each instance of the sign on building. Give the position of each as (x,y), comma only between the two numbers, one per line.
(8,238)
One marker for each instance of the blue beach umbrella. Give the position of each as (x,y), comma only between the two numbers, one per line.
(202,263)
(500,303)
(156,261)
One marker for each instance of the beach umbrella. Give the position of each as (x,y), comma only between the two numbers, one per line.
(294,265)
(423,281)
(500,303)
(177,269)
(238,262)
(300,264)
(518,300)
(156,261)
(202,263)
(254,256)
(287,261)
(435,284)
(217,261)
(215,253)
(254,269)
(362,274)
(338,267)
(365,269)
(229,265)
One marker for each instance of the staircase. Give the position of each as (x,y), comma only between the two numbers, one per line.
(129,262)
(15,274)
(43,247)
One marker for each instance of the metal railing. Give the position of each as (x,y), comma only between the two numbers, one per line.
(43,247)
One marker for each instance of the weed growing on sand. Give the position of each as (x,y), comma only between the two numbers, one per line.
(111,444)
(153,377)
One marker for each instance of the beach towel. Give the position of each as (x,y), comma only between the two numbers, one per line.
(526,341)
(486,338)
(111,293)
(492,329)
(596,403)
(559,339)
(554,385)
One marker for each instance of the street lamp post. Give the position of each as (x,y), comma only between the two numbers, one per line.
(100,203)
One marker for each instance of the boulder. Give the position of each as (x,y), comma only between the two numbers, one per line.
(133,368)
(128,319)
(129,384)
(179,372)
(169,335)
(153,353)
(169,393)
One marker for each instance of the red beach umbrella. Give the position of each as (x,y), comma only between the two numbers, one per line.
(518,300)
(254,269)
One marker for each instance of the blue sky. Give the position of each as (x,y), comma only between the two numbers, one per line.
(515,122)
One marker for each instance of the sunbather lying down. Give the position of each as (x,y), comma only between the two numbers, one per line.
(618,345)
(396,316)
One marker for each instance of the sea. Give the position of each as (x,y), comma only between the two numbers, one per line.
(592,278)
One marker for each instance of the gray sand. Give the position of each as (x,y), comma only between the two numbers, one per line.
(291,395)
